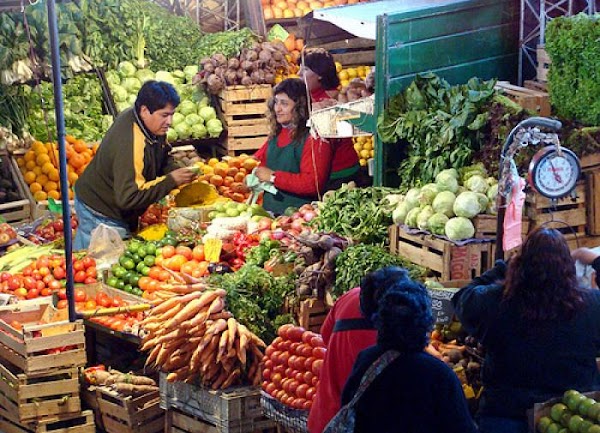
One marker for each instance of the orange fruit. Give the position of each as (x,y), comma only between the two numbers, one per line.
(29,156)
(35,187)
(21,162)
(42,158)
(213,161)
(41,179)
(51,186)
(40,195)
(216,180)
(29,165)
(29,177)
(47,167)
(77,161)
(37,170)
(53,175)
(79,146)
(54,194)
(73,178)
(268,13)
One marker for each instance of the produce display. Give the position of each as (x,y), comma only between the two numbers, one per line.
(228,175)
(187,157)
(134,264)
(192,337)
(365,148)
(447,206)
(276,9)
(51,229)
(126,384)
(576,413)
(292,365)
(39,166)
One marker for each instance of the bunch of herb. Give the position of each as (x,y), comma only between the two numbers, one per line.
(255,297)
(229,43)
(356,261)
(13,108)
(360,214)
(573,79)
(259,254)
(441,125)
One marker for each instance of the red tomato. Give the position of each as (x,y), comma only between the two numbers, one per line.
(5,276)
(47,279)
(275,357)
(300,363)
(293,386)
(292,361)
(295,333)
(285,345)
(307,405)
(29,283)
(117,301)
(276,379)
(266,374)
(54,285)
(88,262)
(307,336)
(89,280)
(80,276)
(90,304)
(62,293)
(279,369)
(289,400)
(316,367)
(59,273)
(44,270)
(263,385)
(317,341)
(305,350)
(282,331)
(78,266)
(271,388)
(32,293)
(269,351)
(319,352)
(289,372)
(63,303)
(310,393)
(45,291)
(15,283)
(284,358)
(80,295)
(91,272)
(39,284)
(301,390)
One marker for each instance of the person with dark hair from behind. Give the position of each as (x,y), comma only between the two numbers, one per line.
(540,330)
(294,161)
(347,330)
(416,392)
(132,168)
(319,73)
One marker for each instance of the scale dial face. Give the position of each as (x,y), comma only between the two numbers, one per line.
(553,175)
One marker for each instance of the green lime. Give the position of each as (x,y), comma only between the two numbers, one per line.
(112,281)
(151,249)
(119,271)
(149,260)
(171,233)
(128,288)
(137,292)
(142,251)
(133,280)
(133,246)
(128,264)
(220,207)
(232,212)
(140,266)
(170,241)
(123,259)
(145,271)
(212,214)
(136,257)
(120,284)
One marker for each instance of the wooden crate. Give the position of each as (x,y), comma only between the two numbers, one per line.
(567,215)
(18,210)
(235,409)
(244,111)
(486,228)
(543,63)
(312,314)
(352,52)
(445,259)
(541,86)
(593,202)
(180,422)
(120,414)
(533,100)
(45,330)
(80,423)
(25,398)
(89,400)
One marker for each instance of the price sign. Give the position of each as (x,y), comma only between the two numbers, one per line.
(441,304)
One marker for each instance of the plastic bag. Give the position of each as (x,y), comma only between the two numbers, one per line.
(106,246)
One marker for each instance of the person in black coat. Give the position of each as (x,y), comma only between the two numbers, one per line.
(416,393)
(540,331)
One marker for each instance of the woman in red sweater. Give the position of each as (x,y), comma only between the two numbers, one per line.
(294,161)
(319,73)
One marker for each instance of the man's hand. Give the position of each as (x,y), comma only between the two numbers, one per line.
(584,255)
(183,175)
(263,173)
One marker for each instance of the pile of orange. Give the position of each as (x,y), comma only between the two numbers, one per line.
(277,9)
(228,175)
(39,166)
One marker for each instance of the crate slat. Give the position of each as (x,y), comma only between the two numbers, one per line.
(246,93)
(121,414)
(79,423)
(529,99)
(593,203)
(180,422)
(17,210)
(569,214)
(312,314)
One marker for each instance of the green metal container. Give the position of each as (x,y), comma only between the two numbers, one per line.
(456,39)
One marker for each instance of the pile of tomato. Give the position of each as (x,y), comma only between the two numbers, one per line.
(292,365)
(47,275)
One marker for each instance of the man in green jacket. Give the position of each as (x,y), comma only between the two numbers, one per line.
(132,168)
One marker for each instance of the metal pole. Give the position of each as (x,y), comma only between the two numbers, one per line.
(62,155)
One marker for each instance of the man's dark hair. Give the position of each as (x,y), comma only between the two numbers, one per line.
(156,95)
(374,285)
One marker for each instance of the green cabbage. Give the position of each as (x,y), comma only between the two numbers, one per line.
(411,217)
(131,84)
(444,203)
(164,76)
(183,130)
(131,99)
(483,201)
(190,71)
(214,127)
(171,135)
(119,93)
(476,183)
(207,113)
(412,197)
(193,119)
(178,118)
(187,107)
(492,194)
(144,75)
(446,182)
(447,172)
(437,223)
(399,214)
(466,205)
(428,193)
(112,78)
(178,73)
(459,228)
(423,217)
(126,69)
(199,131)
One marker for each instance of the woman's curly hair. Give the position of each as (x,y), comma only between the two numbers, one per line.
(295,89)
(541,280)
(374,285)
(404,318)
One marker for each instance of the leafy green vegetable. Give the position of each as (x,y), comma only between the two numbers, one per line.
(573,44)
(356,261)
(229,43)
(259,254)
(255,297)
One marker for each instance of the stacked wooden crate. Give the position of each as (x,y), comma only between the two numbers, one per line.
(192,409)
(244,114)
(40,354)
(130,414)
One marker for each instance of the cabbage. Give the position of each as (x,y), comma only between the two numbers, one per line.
(204,102)
(399,214)
(466,205)
(207,113)
(171,135)
(126,69)
(483,201)
(423,217)
(183,130)
(446,182)
(476,183)
(214,127)
(144,75)
(178,73)
(445,173)
(411,217)
(491,181)
(392,199)
(193,119)
(119,93)
(187,107)
(131,99)
(131,84)
(492,194)
(190,71)
(178,118)
(122,106)
(473,170)
(437,223)
(444,203)
(164,76)
(112,78)
(428,193)
(459,228)
(412,197)
(199,131)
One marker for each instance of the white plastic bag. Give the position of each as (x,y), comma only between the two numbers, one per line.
(106,246)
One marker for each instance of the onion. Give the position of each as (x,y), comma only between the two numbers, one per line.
(265,223)
(296,215)
(278,234)
(297,224)
(265,234)
(309,215)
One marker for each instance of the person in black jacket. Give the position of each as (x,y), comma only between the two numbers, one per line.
(416,393)
(540,330)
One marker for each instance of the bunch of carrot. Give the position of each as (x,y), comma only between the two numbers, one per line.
(193,337)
